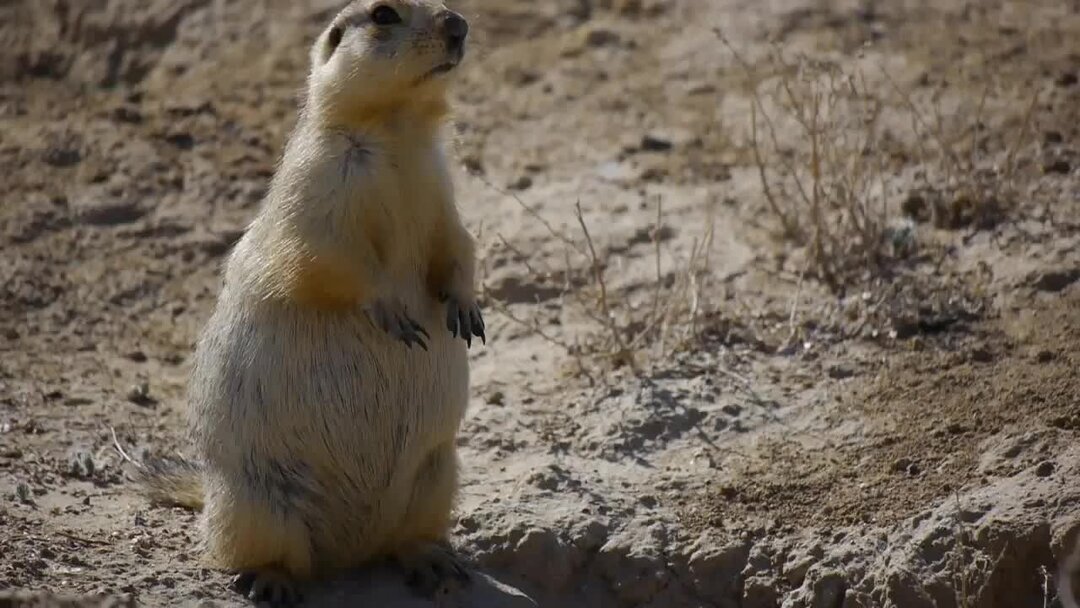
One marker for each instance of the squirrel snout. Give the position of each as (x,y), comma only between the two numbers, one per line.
(455,28)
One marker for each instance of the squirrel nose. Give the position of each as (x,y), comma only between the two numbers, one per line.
(455,27)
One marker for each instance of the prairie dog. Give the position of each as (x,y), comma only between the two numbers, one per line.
(330,381)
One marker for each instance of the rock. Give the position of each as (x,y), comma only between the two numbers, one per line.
(139,394)
(840,371)
(634,569)
(127,114)
(62,157)
(760,592)
(1044,356)
(1057,165)
(521,183)
(110,213)
(904,590)
(1044,469)
(1055,281)
(183,141)
(715,570)
(829,590)
(655,143)
(901,464)
(601,37)
(589,535)
(543,560)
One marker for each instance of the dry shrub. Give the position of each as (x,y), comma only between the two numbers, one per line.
(820,153)
(960,184)
(832,167)
(624,328)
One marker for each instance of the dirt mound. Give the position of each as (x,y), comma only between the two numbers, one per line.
(104,42)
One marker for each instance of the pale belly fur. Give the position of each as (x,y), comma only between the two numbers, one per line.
(323,415)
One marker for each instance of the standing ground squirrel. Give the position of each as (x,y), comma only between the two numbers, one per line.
(330,382)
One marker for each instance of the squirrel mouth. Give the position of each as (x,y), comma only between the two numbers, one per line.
(442,68)
(447,66)
(437,71)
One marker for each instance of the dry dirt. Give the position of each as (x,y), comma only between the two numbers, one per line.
(904,436)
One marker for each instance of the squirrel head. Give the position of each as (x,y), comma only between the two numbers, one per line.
(382,56)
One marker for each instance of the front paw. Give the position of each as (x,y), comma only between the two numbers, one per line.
(391,316)
(464,319)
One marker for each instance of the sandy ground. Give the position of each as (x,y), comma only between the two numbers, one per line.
(726,427)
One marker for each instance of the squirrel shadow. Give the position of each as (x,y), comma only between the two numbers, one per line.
(386,587)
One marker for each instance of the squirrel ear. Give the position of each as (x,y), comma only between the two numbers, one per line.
(333,39)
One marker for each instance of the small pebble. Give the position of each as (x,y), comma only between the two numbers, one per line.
(601,37)
(654,143)
(137,356)
(1044,356)
(140,394)
(1044,468)
(522,183)
(1059,166)
(840,372)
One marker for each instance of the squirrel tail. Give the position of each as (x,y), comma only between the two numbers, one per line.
(171,481)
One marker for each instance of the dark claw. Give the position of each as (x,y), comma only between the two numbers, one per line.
(420,329)
(410,334)
(392,317)
(451,319)
(477,324)
(241,583)
(460,573)
(420,343)
(463,324)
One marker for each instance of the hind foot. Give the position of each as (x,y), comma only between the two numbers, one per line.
(433,570)
(267,588)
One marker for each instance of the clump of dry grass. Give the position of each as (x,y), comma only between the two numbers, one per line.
(844,185)
(624,328)
(818,148)
(960,185)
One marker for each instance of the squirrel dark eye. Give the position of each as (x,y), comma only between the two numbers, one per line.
(334,38)
(384,15)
